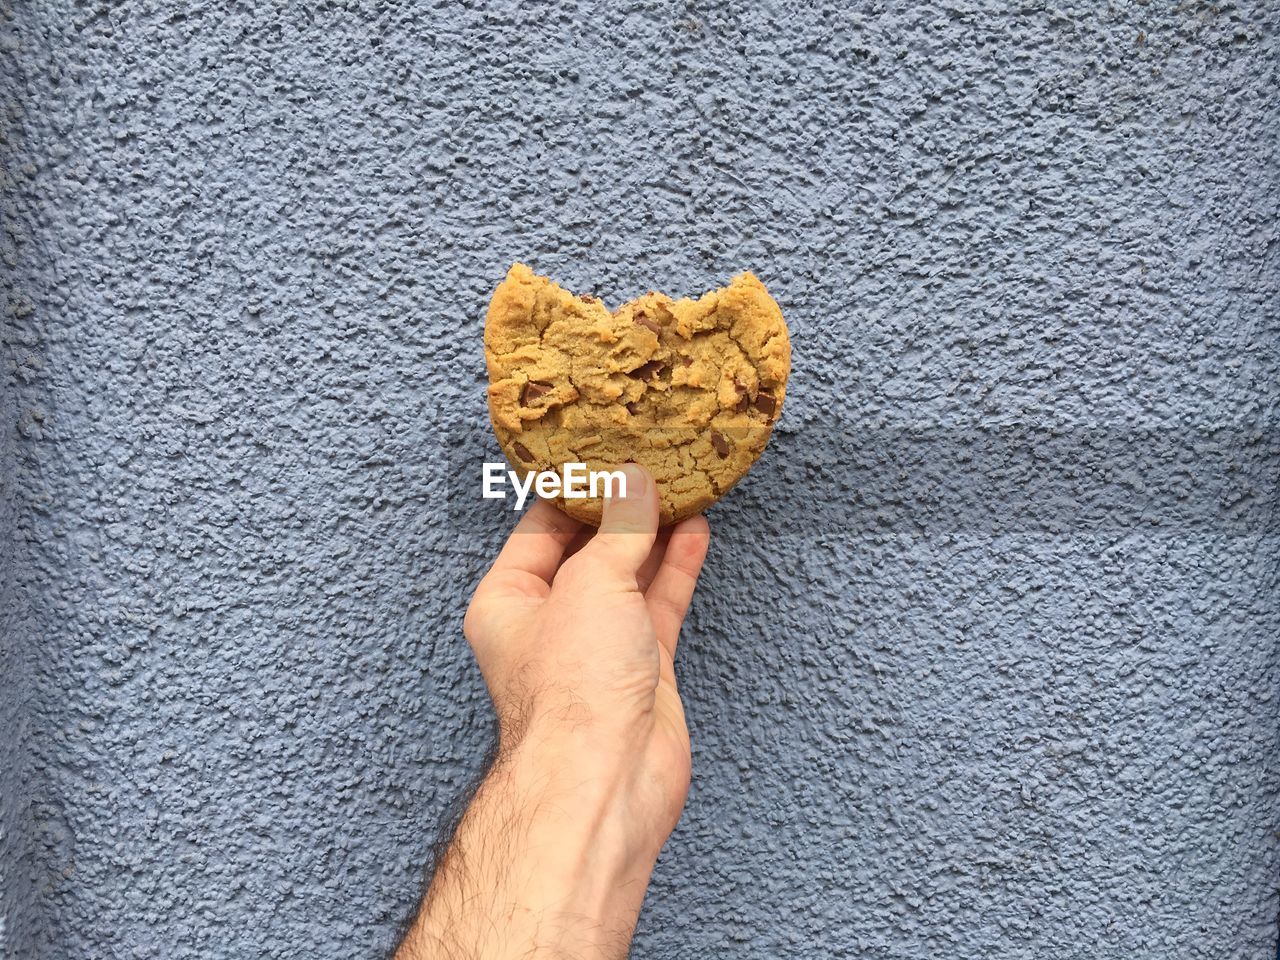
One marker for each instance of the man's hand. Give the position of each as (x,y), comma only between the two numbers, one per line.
(553,855)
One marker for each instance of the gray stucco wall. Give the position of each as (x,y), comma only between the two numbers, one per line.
(249,248)
(16,892)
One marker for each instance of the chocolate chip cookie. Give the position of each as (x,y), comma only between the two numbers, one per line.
(690,389)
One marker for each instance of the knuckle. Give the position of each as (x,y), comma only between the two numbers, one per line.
(621,544)
(585,566)
(606,552)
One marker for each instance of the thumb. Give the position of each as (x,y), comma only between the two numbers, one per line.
(630,522)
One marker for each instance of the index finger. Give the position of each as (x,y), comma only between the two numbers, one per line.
(538,542)
(671,592)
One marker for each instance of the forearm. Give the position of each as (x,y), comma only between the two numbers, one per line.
(544,863)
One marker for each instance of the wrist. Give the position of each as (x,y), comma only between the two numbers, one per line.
(572,872)
(582,788)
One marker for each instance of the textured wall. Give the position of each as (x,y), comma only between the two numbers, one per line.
(249,248)
(16,892)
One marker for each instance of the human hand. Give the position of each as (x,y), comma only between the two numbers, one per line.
(578,653)
(575,633)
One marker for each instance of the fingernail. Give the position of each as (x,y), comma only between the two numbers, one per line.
(637,481)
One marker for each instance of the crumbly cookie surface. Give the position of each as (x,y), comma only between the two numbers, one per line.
(690,389)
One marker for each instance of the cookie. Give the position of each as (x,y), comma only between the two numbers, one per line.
(690,389)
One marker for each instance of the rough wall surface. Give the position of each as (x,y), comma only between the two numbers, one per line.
(249,248)
(16,894)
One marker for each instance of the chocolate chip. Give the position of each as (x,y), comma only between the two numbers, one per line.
(720,444)
(686,361)
(633,407)
(522,453)
(648,370)
(765,403)
(642,318)
(532,391)
(744,397)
